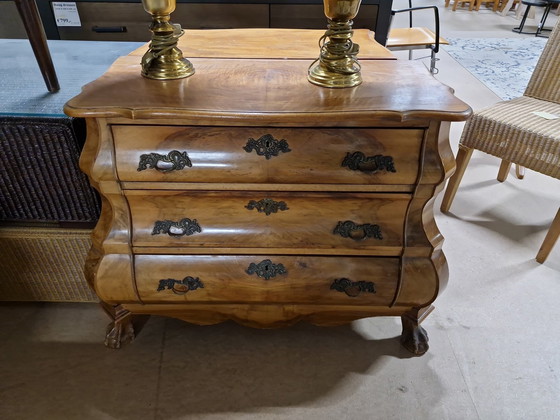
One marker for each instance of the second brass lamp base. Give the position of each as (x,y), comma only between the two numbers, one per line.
(337,66)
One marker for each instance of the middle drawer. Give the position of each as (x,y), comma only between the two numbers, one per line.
(268,219)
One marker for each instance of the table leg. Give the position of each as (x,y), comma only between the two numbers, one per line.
(540,27)
(36,34)
(505,7)
(519,29)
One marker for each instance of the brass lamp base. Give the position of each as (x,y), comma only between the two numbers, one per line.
(163,60)
(337,65)
(163,68)
(322,76)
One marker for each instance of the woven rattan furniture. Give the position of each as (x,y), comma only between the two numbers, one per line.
(47,210)
(513,132)
(44,264)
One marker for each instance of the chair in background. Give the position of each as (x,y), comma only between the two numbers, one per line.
(513,132)
(415,38)
(472,4)
(495,4)
(29,13)
(528,4)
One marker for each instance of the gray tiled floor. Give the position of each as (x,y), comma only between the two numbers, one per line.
(493,336)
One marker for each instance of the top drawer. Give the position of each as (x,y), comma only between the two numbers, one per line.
(267,155)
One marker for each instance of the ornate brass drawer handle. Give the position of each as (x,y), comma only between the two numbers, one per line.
(173,161)
(266,269)
(358,161)
(267,206)
(353,288)
(349,229)
(184,226)
(267,146)
(180,287)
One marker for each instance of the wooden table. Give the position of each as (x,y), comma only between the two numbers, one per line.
(268,43)
(247,193)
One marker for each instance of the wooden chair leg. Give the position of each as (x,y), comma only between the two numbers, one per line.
(471,5)
(447,3)
(504,170)
(550,239)
(455,3)
(463,158)
(36,34)
(519,171)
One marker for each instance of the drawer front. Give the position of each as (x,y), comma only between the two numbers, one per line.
(267,155)
(272,279)
(268,220)
(129,22)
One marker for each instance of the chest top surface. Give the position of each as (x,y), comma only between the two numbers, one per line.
(265,91)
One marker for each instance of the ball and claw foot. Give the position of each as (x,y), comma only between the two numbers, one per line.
(414,338)
(121,330)
(118,334)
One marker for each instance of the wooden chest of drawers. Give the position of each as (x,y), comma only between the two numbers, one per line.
(247,193)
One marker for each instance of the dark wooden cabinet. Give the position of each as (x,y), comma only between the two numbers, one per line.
(126,20)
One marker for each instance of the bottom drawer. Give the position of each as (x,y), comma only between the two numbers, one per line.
(273,279)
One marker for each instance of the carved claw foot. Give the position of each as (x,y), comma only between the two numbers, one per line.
(414,338)
(121,330)
(118,334)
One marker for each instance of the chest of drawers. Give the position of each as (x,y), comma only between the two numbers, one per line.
(247,193)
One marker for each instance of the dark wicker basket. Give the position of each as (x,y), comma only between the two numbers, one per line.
(40,180)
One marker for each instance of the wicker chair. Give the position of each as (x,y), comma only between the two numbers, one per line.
(511,131)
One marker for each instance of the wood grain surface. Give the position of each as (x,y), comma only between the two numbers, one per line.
(269,92)
(308,220)
(315,156)
(268,42)
(400,111)
(306,279)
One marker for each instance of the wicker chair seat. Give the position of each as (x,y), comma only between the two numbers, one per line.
(510,130)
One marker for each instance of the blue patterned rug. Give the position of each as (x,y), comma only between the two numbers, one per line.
(504,65)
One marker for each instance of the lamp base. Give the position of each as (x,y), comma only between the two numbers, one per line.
(163,68)
(163,60)
(337,65)
(321,76)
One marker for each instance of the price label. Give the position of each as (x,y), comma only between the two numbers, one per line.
(546,115)
(66,13)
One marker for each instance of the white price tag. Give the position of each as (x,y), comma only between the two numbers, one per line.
(546,115)
(66,13)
